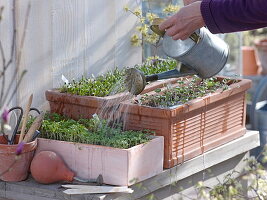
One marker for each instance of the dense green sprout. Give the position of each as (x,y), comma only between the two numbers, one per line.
(90,131)
(112,81)
(186,90)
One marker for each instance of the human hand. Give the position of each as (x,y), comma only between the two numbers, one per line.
(184,22)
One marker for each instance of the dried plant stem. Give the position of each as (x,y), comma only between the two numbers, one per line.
(9,168)
(4,95)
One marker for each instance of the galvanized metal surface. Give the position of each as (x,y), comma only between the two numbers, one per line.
(207,57)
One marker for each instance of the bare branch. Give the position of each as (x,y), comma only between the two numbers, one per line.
(24,34)
(17,86)
(1,12)
(13,45)
(4,96)
(11,165)
(2,87)
(2,56)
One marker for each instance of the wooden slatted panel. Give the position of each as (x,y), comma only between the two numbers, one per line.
(70,37)
(37,51)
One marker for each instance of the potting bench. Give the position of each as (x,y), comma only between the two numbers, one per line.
(170,184)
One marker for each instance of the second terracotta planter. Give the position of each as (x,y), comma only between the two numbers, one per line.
(196,126)
(15,168)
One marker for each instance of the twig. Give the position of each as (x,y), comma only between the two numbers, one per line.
(17,85)
(13,163)
(13,45)
(156,47)
(5,67)
(257,187)
(2,55)
(4,70)
(24,33)
(19,55)
(3,84)
(256,192)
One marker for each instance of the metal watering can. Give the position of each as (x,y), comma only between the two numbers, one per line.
(202,54)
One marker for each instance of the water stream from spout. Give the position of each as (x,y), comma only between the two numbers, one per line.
(112,108)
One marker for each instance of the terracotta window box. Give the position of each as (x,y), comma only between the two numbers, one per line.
(76,106)
(122,167)
(195,127)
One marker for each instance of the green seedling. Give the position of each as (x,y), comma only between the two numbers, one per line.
(112,81)
(91,131)
(187,89)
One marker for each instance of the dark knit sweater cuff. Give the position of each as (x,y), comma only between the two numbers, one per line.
(208,17)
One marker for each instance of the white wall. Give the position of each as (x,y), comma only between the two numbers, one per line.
(70,37)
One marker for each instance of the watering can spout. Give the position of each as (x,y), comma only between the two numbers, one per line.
(136,80)
(181,71)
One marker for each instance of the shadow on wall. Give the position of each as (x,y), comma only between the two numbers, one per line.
(121,53)
(98,51)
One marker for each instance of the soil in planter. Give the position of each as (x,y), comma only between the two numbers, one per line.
(90,131)
(185,90)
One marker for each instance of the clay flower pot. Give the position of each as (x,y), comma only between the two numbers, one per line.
(76,106)
(195,127)
(16,168)
(250,66)
(261,46)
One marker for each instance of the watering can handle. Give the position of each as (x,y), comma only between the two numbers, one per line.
(183,70)
(155,28)
(195,37)
(153,77)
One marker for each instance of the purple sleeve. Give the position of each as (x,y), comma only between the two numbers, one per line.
(224,16)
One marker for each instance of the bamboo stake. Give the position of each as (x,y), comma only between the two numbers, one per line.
(25,118)
(35,126)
